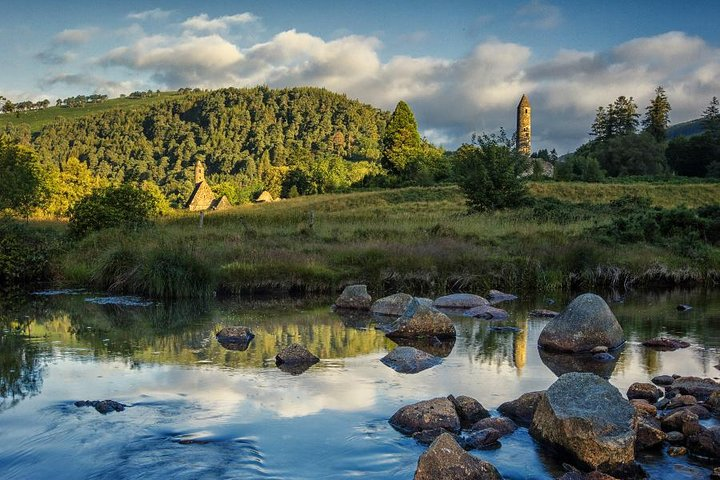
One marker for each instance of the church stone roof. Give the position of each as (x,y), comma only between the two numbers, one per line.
(201,198)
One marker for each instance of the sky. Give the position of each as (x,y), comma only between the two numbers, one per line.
(461,65)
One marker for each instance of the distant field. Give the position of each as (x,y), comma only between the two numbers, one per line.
(39,118)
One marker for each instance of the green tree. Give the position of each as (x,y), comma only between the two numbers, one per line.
(488,171)
(124,206)
(618,118)
(401,140)
(657,115)
(579,168)
(25,185)
(711,118)
(69,185)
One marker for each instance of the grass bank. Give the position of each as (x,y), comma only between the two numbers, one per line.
(418,239)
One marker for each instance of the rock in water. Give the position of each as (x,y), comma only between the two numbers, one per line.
(663,343)
(700,388)
(482,439)
(586,416)
(102,406)
(426,415)
(543,313)
(409,360)
(468,409)
(422,321)
(496,296)
(235,338)
(460,300)
(393,305)
(446,460)
(503,425)
(295,359)
(645,391)
(355,297)
(487,312)
(522,410)
(585,324)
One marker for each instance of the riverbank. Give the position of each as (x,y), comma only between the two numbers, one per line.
(418,239)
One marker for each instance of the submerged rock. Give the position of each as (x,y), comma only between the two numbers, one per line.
(460,301)
(482,439)
(409,360)
(585,324)
(422,321)
(295,359)
(392,305)
(522,409)
(586,416)
(426,415)
(354,297)
(487,312)
(562,363)
(683,307)
(503,425)
(496,296)
(543,313)
(447,460)
(102,406)
(663,343)
(235,338)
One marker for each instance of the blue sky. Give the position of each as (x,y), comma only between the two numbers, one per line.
(461,65)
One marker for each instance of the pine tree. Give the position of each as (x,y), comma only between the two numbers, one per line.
(618,118)
(711,117)
(401,141)
(657,115)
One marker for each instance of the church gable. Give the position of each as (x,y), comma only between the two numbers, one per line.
(201,198)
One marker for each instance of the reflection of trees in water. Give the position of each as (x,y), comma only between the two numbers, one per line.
(492,347)
(22,362)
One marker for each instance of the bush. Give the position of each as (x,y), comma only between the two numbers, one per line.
(25,253)
(123,206)
(489,173)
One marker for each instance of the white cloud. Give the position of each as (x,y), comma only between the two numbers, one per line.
(154,14)
(538,14)
(452,98)
(203,22)
(75,36)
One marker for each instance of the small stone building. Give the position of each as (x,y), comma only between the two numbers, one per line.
(202,197)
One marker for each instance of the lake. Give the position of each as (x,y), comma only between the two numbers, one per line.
(199,411)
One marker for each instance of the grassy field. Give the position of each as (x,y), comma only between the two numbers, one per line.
(420,240)
(39,118)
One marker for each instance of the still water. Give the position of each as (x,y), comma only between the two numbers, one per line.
(199,411)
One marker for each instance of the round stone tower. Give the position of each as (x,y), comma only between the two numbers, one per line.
(199,172)
(523,126)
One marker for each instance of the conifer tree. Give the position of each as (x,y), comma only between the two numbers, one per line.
(401,141)
(711,117)
(657,115)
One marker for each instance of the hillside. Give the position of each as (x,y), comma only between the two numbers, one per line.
(245,136)
(686,129)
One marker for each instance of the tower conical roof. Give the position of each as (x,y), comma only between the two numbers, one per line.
(524,101)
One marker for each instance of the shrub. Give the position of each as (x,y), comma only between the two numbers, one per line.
(123,206)
(25,253)
(489,173)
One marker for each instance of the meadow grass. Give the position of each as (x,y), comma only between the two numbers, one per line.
(421,240)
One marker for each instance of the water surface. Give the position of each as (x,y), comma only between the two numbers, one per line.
(200,411)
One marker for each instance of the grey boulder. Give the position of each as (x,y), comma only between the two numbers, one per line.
(409,360)
(355,297)
(422,321)
(586,323)
(392,305)
(426,415)
(460,301)
(446,460)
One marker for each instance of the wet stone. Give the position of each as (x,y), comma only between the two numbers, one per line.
(665,344)
(503,425)
(102,406)
(677,451)
(468,409)
(447,460)
(663,380)
(645,391)
(409,360)
(522,409)
(482,439)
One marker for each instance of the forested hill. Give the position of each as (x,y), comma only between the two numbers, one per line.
(686,129)
(241,134)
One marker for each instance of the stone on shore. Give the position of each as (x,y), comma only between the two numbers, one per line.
(522,409)
(645,391)
(355,297)
(585,416)
(586,323)
(446,460)
(392,305)
(422,321)
(487,312)
(460,301)
(409,360)
(700,388)
(426,415)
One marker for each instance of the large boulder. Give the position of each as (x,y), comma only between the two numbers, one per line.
(426,415)
(393,305)
(446,460)
(422,321)
(458,301)
(585,324)
(355,297)
(585,416)
(409,360)
(522,409)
